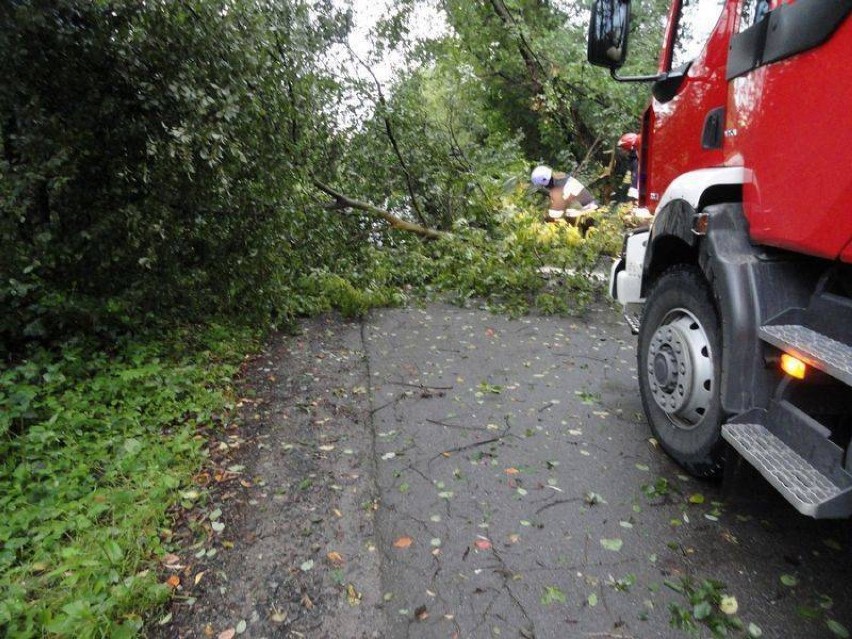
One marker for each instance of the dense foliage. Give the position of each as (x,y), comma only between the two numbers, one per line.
(170,163)
(158,158)
(96,445)
(154,158)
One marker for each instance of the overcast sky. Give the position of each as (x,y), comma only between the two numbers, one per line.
(425,22)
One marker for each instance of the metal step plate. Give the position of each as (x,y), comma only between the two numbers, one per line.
(802,485)
(815,349)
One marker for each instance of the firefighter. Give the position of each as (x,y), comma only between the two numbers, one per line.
(569,199)
(629,144)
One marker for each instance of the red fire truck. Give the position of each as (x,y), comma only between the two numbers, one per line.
(741,289)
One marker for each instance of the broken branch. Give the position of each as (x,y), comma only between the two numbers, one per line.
(342,201)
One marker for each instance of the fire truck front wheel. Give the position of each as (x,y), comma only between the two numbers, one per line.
(680,350)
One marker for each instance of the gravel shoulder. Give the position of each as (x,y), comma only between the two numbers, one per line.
(294,556)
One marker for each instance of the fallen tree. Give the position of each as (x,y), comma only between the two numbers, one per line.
(342,202)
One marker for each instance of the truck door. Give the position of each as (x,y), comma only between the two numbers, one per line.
(788,117)
(686,117)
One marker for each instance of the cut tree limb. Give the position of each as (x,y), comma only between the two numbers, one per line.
(342,201)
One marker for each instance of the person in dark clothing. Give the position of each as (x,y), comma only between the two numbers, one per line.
(629,144)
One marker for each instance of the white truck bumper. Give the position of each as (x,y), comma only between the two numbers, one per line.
(625,279)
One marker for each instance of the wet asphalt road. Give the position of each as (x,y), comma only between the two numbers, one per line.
(520,494)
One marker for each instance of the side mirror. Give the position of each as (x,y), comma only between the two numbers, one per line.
(669,84)
(608,32)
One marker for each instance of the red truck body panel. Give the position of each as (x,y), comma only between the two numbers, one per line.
(786,123)
(791,129)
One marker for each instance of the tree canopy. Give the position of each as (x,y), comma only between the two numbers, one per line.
(168,159)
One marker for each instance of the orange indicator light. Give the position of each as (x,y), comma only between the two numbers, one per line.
(792,366)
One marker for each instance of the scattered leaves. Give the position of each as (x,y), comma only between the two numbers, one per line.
(482,543)
(789,580)
(552,595)
(403,542)
(837,628)
(612,544)
(593,499)
(729,605)
(352,595)
(171,559)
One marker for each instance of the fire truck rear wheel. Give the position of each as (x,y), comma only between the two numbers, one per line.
(680,349)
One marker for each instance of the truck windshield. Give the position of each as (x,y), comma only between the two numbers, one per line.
(696,22)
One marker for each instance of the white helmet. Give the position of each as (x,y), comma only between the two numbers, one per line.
(541,175)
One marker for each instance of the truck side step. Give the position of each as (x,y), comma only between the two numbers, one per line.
(805,471)
(815,349)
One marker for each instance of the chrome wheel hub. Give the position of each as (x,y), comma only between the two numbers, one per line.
(680,369)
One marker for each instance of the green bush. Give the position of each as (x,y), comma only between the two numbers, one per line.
(522,264)
(154,162)
(94,448)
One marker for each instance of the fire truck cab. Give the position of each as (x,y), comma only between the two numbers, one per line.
(741,289)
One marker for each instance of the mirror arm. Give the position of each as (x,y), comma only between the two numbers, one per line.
(636,78)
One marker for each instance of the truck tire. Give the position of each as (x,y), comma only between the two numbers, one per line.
(680,349)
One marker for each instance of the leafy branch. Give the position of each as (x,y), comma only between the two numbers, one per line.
(342,202)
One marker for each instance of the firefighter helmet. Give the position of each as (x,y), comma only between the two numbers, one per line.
(541,175)
(628,141)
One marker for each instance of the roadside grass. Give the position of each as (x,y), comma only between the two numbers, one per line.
(95,446)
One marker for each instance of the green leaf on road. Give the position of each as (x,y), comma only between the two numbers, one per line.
(702,610)
(837,628)
(612,544)
(593,498)
(552,595)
